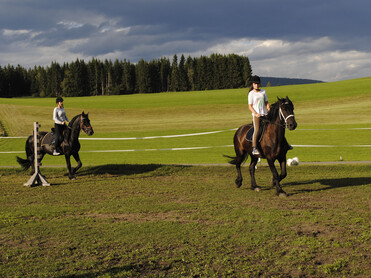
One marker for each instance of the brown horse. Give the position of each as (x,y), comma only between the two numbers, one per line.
(272,146)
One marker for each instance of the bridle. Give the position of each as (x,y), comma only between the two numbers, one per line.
(282,117)
(82,126)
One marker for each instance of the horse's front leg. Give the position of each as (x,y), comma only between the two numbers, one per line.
(276,179)
(68,161)
(283,168)
(79,163)
(254,161)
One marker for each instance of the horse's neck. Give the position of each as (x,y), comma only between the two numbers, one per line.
(279,129)
(74,132)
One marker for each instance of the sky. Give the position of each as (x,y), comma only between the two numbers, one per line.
(327,40)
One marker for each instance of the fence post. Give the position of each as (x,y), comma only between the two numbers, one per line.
(37,177)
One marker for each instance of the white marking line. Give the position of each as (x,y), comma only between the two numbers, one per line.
(155,137)
(186,135)
(201,148)
(224,146)
(13,137)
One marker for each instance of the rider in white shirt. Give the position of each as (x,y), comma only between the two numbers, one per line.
(259,106)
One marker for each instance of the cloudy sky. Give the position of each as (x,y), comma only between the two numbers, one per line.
(326,40)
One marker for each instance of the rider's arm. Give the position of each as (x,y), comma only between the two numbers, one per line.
(253,111)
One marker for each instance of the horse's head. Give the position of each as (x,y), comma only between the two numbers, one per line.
(85,124)
(286,110)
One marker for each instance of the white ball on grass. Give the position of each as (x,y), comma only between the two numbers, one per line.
(295,161)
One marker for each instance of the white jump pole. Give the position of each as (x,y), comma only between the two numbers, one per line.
(37,177)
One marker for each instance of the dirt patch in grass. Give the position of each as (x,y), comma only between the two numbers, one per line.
(143,217)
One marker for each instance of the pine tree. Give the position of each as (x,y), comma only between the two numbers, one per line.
(183,78)
(174,78)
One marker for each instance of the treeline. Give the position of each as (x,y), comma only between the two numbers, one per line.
(97,77)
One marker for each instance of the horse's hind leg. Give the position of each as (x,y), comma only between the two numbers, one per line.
(254,161)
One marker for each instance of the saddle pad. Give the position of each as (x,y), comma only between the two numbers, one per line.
(47,139)
(250,132)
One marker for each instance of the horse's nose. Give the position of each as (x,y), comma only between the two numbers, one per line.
(292,125)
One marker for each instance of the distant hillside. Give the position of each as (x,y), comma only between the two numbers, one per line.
(277,81)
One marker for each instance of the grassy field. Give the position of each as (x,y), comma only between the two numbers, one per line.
(326,114)
(131,214)
(186,221)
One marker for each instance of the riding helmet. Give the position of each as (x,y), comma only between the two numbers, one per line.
(59,99)
(255,79)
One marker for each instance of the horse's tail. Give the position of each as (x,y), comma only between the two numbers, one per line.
(25,163)
(234,159)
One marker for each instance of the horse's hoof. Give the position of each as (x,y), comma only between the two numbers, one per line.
(282,194)
(257,189)
(238,183)
(72,177)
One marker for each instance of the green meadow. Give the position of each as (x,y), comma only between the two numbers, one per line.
(132,214)
(326,113)
(154,220)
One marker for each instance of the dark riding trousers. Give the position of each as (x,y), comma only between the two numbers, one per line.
(58,134)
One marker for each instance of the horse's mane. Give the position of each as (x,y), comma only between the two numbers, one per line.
(273,112)
(70,124)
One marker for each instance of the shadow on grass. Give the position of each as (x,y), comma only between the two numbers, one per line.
(129,169)
(331,183)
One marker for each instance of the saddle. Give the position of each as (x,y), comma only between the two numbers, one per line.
(49,138)
(250,132)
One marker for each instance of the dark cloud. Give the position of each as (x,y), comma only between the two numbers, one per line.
(265,30)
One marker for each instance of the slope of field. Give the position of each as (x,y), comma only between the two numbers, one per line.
(326,114)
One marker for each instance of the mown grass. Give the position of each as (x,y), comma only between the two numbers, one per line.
(325,114)
(153,220)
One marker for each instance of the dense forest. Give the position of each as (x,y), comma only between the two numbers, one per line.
(97,77)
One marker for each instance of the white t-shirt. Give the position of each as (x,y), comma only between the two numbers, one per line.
(258,99)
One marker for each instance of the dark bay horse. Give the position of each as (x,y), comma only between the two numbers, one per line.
(70,145)
(272,146)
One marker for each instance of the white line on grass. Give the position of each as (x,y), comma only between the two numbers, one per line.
(187,135)
(201,148)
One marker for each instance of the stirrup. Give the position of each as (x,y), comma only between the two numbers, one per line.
(255,151)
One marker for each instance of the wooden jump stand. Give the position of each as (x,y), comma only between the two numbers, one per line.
(37,178)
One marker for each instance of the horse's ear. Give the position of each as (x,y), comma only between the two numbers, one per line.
(83,113)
